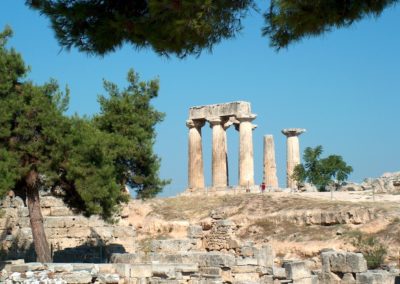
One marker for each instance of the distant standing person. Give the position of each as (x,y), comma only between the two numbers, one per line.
(262,186)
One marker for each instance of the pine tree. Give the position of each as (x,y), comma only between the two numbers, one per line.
(183,27)
(88,160)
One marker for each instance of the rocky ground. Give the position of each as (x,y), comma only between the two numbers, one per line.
(297,225)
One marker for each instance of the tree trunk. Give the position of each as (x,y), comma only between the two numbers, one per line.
(35,215)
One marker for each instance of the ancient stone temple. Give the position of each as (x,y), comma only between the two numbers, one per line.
(220,117)
(292,153)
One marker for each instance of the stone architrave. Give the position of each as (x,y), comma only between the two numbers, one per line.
(246,157)
(195,154)
(220,117)
(219,153)
(292,153)
(270,177)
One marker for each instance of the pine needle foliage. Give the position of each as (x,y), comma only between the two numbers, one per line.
(186,27)
(288,21)
(87,161)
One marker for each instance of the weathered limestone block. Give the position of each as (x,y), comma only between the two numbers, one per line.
(124,232)
(297,270)
(195,231)
(60,211)
(267,279)
(348,279)
(109,278)
(51,201)
(79,232)
(375,277)
(328,278)
(141,270)
(247,277)
(78,277)
(279,272)
(265,256)
(164,271)
(23,212)
(238,109)
(60,267)
(212,259)
(172,245)
(343,262)
(246,261)
(23,222)
(105,233)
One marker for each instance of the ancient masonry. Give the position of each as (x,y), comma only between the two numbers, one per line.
(221,117)
(270,177)
(210,254)
(292,153)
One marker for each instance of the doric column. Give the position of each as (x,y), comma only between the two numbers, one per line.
(270,177)
(195,155)
(219,153)
(246,159)
(292,153)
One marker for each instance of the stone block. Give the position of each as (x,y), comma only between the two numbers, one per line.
(164,271)
(348,279)
(24,234)
(51,201)
(24,222)
(106,268)
(307,280)
(265,256)
(124,270)
(246,261)
(140,270)
(23,212)
(78,277)
(20,268)
(173,245)
(267,279)
(343,262)
(210,272)
(78,232)
(60,267)
(105,233)
(375,277)
(212,259)
(56,233)
(60,211)
(124,232)
(195,231)
(328,278)
(109,278)
(247,277)
(54,222)
(247,251)
(245,269)
(279,272)
(296,270)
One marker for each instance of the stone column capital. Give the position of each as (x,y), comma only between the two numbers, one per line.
(290,132)
(197,123)
(249,118)
(223,121)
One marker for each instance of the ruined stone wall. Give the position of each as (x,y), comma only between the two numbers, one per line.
(72,237)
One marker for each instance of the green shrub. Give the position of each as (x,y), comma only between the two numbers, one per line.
(372,249)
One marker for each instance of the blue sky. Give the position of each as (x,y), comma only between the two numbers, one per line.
(343,87)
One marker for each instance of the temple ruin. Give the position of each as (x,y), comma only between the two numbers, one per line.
(292,153)
(220,117)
